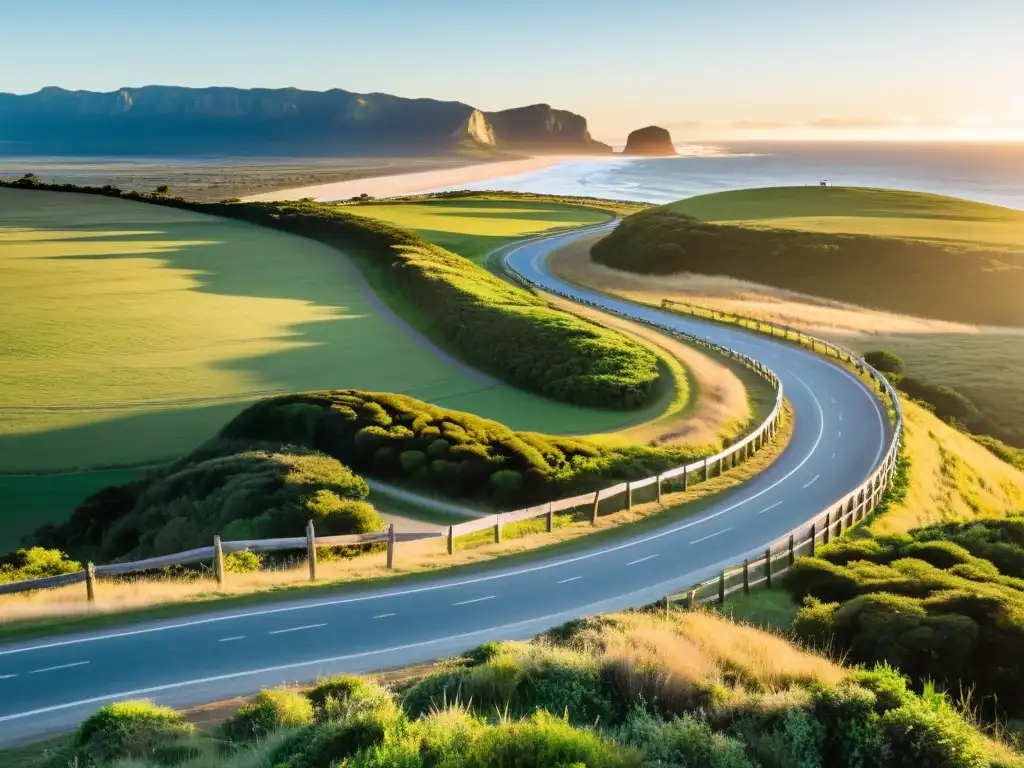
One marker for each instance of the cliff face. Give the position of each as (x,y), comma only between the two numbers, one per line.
(169,121)
(651,141)
(541,128)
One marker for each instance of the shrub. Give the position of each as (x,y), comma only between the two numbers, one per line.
(269,711)
(335,697)
(128,729)
(328,743)
(237,489)
(682,741)
(412,461)
(885,362)
(949,404)
(36,563)
(540,741)
(245,561)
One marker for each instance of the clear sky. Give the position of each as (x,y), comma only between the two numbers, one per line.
(703,68)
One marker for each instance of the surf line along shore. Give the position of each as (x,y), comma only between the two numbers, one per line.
(420,181)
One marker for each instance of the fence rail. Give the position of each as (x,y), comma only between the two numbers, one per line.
(675,479)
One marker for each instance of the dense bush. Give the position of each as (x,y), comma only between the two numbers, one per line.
(454,453)
(494,325)
(944,603)
(949,405)
(237,490)
(884,361)
(36,563)
(127,729)
(270,711)
(960,284)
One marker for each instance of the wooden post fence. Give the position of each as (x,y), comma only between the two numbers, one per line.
(768,567)
(218,560)
(311,550)
(551,517)
(90,582)
(391,546)
(451,539)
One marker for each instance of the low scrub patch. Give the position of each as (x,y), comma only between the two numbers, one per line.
(943,603)
(553,703)
(449,452)
(239,490)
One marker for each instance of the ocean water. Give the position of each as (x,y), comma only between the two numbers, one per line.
(988,172)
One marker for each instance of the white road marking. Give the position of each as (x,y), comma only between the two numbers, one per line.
(7,677)
(812,481)
(642,559)
(383,615)
(466,582)
(833,454)
(475,600)
(566,581)
(840,433)
(296,629)
(773,506)
(231,639)
(832,398)
(711,536)
(62,666)
(840,415)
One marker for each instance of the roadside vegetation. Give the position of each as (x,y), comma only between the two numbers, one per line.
(629,690)
(865,246)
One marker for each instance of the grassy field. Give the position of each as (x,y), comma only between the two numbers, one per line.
(475,227)
(906,252)
(133,332)
(861,211)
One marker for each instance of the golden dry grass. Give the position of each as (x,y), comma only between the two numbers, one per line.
(57,605)
(951,477)
(680,657)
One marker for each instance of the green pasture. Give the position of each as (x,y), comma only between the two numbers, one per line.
(475,227)
(132,332)
(862,211)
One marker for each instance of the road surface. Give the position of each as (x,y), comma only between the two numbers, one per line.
(840,432)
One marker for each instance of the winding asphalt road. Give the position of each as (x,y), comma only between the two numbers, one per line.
(839,434)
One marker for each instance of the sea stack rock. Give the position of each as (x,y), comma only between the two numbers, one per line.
(651,141)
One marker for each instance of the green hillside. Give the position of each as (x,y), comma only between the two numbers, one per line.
(907,252)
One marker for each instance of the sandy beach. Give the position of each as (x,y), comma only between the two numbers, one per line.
(412,183)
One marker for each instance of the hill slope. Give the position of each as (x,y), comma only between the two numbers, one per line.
(907,252)
(170,120)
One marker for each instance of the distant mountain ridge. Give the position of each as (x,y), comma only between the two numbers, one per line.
(170,120)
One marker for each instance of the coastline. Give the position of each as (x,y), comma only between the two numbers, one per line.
(416,182)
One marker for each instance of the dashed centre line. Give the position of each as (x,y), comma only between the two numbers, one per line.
(566,581)
(773,506)
(711,536)
(812,481)
(383,615)
(62,666)
(642,560)
(7,677)
(296,629)
(231,639)
(476,600)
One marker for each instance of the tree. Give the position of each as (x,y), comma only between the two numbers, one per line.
(163,189)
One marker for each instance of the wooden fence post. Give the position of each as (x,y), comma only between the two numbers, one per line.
(839,522)
(721,588)
(311,550)
(792,551)
(629,495)
(768,567)
(814,538)
(90,583)
(391,546)
(658,483)
(707,470)
(686,480)
(497,528)
(218,560)
(746,577)
(828,527)
(692,598)
(451,539)
(597,500)
(551,517)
